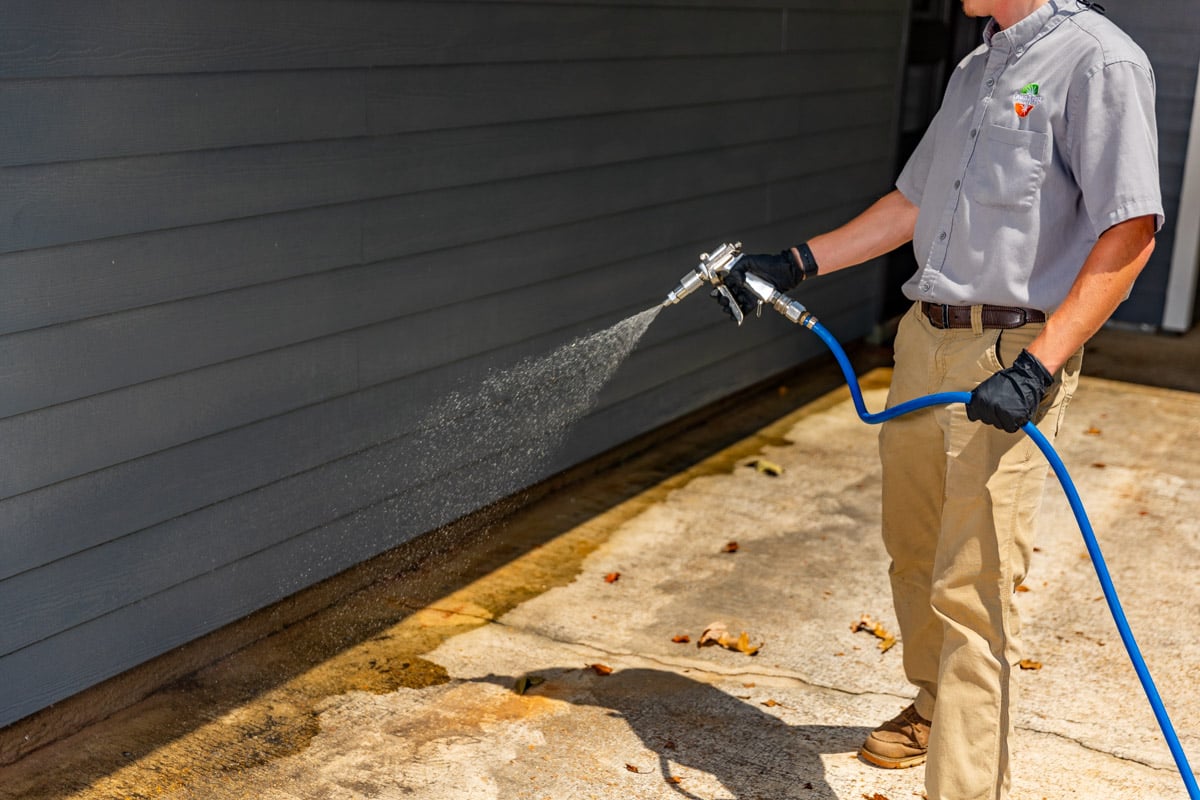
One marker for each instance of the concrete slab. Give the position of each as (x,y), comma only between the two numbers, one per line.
(544,679)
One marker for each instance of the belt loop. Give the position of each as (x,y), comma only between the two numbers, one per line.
(977,320)
(945,317)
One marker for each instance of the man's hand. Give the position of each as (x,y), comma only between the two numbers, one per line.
(1011,397)
(779,270)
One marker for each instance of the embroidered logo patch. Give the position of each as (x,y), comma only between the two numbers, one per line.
(1026,100)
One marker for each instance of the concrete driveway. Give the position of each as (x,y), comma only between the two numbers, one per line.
(561,670)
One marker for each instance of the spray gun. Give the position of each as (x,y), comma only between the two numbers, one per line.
(712,269)
(715,266)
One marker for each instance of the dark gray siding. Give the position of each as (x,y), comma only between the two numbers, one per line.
(247,246)
(1169,32)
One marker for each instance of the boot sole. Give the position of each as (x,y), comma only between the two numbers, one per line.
(891,763)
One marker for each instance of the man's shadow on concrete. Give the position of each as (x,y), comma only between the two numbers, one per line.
(695,725)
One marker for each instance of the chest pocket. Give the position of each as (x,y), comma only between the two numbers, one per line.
(1008,168)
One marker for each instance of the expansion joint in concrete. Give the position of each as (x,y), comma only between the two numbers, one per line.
(1081,743)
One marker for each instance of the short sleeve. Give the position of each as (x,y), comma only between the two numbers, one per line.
(1113,145)
(911,182)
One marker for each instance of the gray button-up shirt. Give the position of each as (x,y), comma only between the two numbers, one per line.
(1045,139)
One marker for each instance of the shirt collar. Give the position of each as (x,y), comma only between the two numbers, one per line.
(1023,33)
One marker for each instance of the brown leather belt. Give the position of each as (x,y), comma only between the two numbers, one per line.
(941,316)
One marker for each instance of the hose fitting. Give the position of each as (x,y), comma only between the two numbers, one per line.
(768,294)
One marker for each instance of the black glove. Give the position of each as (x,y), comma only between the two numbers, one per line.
(1011,397)
(780,270)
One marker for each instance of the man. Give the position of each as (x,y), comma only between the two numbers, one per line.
(1032,203)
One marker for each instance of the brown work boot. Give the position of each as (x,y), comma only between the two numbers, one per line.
(900,742)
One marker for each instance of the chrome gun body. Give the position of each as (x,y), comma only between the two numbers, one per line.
(713,268)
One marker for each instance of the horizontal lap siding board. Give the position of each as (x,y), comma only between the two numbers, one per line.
(1169,32)
(248,249)
(58,38)
(73,118)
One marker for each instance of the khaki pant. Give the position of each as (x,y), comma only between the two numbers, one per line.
(960,500)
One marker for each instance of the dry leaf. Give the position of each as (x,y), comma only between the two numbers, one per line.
(731,547)
(766,467)
(1093,431)
(1100,465)
(749,685)
(864,623)
(743,645)
(612,577)
(717,633)
(712,634)
(1022,588)
(674,780)
(770,703)
(682,638)
(601,669)
(1029,663)
(632,768)
(876,796)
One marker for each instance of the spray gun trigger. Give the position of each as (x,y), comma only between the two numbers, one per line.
(734,308)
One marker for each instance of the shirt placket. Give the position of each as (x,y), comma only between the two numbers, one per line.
(936,262)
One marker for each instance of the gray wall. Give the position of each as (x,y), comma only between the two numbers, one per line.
(1169,32)
(248,245)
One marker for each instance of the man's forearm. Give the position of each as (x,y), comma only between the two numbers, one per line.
(880,229)
(1109,271)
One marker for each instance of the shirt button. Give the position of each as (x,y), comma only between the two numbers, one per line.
(973,132)
(925,286)
(942,236)
(991,82)
(957,184)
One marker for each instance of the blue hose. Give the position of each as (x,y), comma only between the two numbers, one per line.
(1085,527)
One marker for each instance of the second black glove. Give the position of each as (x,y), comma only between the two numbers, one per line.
(1011,397)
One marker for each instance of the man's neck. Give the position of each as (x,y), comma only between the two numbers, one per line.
(1011,12)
